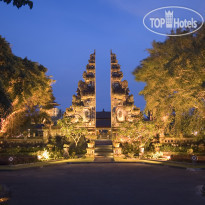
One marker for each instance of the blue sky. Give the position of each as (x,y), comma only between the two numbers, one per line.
(62,34)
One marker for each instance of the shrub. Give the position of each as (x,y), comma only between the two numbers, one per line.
(73,155)
(131,154)
(80,149)
(20,149)
(130,148)
(190,151)
(181,158)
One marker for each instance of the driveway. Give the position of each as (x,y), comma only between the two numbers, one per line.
(104,184)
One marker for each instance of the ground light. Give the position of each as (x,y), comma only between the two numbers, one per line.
(44,155)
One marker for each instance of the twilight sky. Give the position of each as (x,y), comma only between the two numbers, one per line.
(62,34)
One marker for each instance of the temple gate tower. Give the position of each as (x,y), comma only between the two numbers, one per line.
(84,102)
(122,103)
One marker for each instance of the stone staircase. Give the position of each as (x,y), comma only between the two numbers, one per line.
(103,151)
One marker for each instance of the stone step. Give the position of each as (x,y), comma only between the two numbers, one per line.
(104,159)
(103,138)
(103,154)
(106,148)
(103,150)
(103,142)
(103,147)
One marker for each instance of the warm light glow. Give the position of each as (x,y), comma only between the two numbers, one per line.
(157,155)
(5,122)
(39,157)
(168,157)
(44,155)
(4,199)
(164,118)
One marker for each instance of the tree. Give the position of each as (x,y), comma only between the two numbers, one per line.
(19,3)
(25,89)
(174,73)
(73,129)
(137,131)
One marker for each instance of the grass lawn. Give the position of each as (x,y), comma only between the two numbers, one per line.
(45,163)
(165,163)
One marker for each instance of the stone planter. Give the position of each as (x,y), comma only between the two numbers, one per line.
(91,144)
(50,147)
(116,144)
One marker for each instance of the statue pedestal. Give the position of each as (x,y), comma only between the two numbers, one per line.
(90,151)
(66,150)
(117,151)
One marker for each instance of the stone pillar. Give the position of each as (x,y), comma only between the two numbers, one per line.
(45,135)
(91,149)
(90,152)
(117,150)
(29,133)
(141,151)
(66,150)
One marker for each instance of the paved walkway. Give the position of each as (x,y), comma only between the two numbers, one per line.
(104,184)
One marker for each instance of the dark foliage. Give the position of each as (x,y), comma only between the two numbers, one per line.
(19,3)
